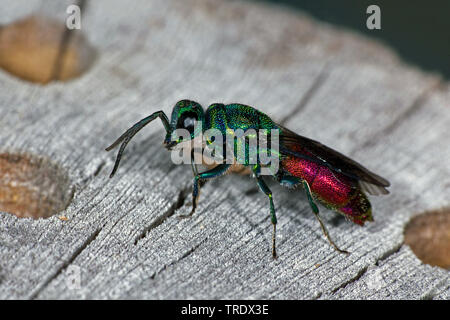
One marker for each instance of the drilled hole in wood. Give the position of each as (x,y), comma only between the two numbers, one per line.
(41,49)
(32,186)
(428,235)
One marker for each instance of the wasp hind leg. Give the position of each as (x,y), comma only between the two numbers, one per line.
(264,188)
(316,213)
(213,173)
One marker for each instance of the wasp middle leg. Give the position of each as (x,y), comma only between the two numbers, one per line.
(264,188)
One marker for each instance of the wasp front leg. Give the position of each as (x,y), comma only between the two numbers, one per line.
(316,213)
(195,169)
(193,164)
(210,174)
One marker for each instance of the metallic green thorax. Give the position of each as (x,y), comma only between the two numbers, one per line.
(236,116)
(233,117)
(227,119)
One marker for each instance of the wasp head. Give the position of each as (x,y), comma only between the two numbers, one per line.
(186,123)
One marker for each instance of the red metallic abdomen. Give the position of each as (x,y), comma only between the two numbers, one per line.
(335,190)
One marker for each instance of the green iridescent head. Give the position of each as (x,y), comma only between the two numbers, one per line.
(187,115)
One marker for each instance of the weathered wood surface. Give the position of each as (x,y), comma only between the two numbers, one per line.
(344,90)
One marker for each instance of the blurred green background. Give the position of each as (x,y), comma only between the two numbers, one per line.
(418,30)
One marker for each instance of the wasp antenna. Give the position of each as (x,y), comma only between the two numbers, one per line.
(116,143)
(126,137)
(119,154)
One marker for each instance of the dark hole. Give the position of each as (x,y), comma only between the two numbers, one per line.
(32,186)
(428,235)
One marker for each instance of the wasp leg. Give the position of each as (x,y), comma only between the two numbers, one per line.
(316,213)
(264,188)
(195,170)
(213,173)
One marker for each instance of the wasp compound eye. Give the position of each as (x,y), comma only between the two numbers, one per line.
(187,121)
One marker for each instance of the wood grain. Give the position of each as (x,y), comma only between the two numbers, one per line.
(332,85)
